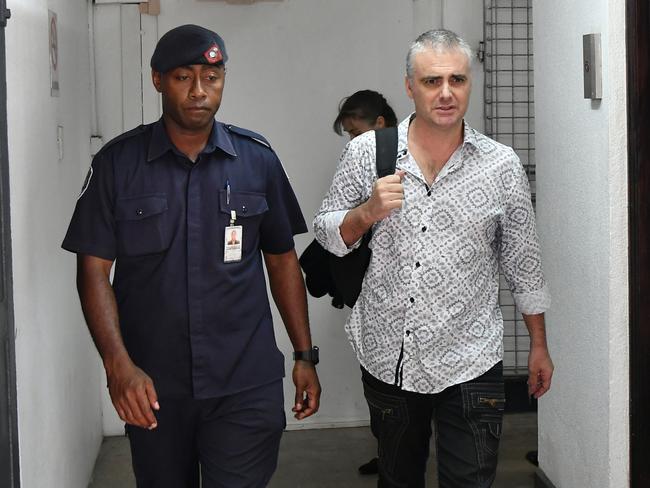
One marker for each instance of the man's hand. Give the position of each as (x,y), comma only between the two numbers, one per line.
(307,389)
(387,195)
(133,395)
(540,371)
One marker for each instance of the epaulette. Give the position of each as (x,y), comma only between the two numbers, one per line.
(250,134)
(126,135)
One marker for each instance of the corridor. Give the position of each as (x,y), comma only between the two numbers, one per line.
(328,458)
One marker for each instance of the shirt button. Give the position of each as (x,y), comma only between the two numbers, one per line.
(417,265)
(429,193)
(244,209)
(424,228)
(139,212)
(412,300)
(408,332)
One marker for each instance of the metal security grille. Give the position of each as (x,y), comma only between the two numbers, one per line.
(510,119)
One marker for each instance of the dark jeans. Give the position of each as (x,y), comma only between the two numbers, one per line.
(467,420)
(233,440)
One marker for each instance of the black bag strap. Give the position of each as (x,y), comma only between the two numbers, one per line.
(386,142)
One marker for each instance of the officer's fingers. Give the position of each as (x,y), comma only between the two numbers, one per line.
(128,415)
(310,407)
(145,408)
(152,395)
(134,405)
(314,401)
(120,412)
(298,401)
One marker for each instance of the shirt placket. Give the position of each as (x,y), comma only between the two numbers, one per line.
(412,264)
(195,237)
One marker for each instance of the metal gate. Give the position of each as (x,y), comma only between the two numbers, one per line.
(510,119)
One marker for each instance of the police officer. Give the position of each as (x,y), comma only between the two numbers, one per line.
(185,332)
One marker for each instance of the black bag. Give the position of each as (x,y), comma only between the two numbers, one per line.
(341,277)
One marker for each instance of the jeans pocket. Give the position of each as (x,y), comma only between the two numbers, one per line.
(389,417)
(483,405)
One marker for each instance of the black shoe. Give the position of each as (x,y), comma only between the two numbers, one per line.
(370,467)
(531,456)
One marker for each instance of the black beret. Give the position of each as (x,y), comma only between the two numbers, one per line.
(188,44)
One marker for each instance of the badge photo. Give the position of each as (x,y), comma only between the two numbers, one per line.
(232,239)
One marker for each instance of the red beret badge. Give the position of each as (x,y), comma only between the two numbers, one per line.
(213,54)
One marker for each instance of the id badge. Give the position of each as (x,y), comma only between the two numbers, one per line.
(232,241)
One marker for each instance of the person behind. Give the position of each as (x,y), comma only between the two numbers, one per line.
(362,111)
(427,328)
(185,331)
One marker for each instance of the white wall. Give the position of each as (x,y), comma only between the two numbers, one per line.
(59,413)
(582,216)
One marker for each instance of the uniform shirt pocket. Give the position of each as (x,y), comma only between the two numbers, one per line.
(141,223)
(250,208)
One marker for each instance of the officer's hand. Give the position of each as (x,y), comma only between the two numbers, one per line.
(387,195)
(307,389)
(133,395)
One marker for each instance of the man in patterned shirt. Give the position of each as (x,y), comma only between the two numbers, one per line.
(427,328)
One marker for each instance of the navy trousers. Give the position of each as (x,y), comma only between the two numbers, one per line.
(467,417)
(228,442)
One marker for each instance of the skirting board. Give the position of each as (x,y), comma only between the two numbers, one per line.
(541,481)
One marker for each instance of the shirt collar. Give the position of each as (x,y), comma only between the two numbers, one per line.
(160,142)
(469,136)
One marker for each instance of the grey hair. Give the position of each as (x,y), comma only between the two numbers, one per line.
(439,40)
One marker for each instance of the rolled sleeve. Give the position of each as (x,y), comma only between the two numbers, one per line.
(520,256)
(351,186)
(534,302)
(335,243)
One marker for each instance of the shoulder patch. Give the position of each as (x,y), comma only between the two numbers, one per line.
(84,187)
(126,135)
(250,134)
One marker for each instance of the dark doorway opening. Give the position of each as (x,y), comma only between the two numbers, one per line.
(638,106)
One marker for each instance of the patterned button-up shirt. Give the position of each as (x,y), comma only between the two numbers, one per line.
(428,315)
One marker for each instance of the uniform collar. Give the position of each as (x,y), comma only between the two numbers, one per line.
(160,142)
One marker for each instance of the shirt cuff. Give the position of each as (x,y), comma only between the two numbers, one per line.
(335,243)
(533,302)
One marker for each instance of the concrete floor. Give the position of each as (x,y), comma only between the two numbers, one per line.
(335,454)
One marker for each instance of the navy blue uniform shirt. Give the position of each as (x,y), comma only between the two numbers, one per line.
(196,325)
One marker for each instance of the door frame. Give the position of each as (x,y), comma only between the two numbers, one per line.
(638,138)
(9,458)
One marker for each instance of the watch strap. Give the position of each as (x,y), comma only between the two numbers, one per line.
(310,355)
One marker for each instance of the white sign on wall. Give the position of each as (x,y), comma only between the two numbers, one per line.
(54,55)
